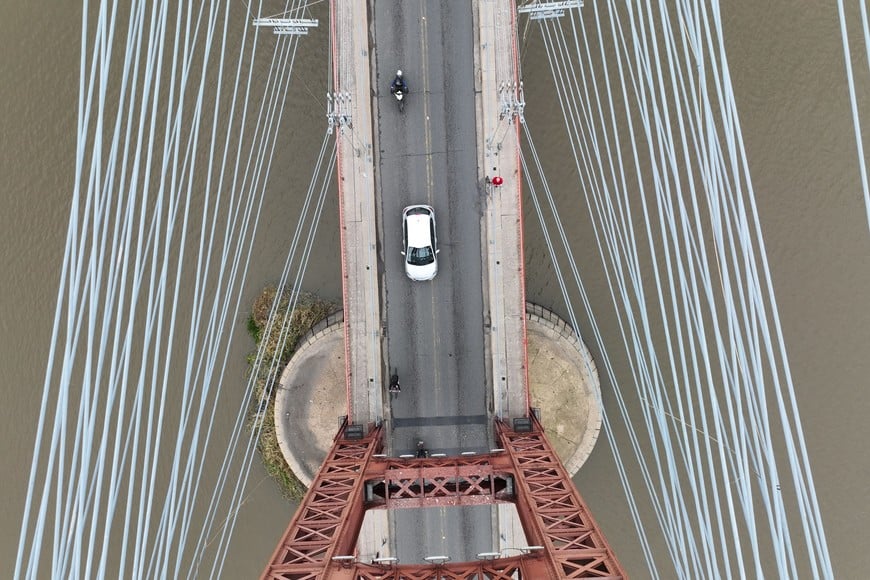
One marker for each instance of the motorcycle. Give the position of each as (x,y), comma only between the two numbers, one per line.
(395,388)
(422,452)
(400,98)
(398,89)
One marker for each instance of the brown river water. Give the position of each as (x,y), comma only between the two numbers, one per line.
(789,78)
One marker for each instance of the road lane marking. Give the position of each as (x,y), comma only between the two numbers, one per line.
(430,194)
(427,126)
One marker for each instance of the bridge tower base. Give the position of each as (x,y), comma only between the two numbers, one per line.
(565,541)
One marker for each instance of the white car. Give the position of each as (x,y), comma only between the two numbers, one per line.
(419,244)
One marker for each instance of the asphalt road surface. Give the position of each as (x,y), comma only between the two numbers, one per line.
(435,339)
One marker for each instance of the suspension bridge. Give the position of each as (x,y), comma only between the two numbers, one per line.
(705,433)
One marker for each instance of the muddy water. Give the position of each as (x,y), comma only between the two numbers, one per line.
(789,81)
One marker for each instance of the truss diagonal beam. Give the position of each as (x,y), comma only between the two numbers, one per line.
(551,510)
(500,569)
(438,482)
(328,521)
(565,540)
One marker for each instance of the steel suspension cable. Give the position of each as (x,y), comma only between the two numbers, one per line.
(738,448)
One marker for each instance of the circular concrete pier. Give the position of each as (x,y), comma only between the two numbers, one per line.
(564,385)
(563,380)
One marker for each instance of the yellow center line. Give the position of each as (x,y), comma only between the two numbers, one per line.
(427,127)
(430,182)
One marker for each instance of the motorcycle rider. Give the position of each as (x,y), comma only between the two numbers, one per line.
(398,85)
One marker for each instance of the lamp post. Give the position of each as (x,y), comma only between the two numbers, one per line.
(391,561)
(344,561)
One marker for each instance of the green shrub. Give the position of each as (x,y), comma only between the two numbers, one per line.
(309,311)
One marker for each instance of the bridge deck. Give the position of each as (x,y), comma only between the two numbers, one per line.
(504,299)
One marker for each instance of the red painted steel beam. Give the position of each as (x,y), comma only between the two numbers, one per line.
(436,482)
(498,569)
(550,508)
(552,511)
(328,521)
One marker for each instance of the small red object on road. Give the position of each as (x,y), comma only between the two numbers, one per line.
(497,181)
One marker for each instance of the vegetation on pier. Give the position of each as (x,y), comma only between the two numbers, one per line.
(276,351)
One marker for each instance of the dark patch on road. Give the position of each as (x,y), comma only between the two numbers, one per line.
(440,421)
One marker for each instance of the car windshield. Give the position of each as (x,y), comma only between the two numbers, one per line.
(421,256)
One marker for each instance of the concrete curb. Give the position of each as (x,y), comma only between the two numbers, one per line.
(573,433)
(312,382)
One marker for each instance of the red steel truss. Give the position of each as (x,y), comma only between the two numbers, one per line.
(321,539)
(450,481)
(501,569)
(551,510)
(328,521)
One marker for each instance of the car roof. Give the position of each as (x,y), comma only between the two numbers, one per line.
(418,225)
